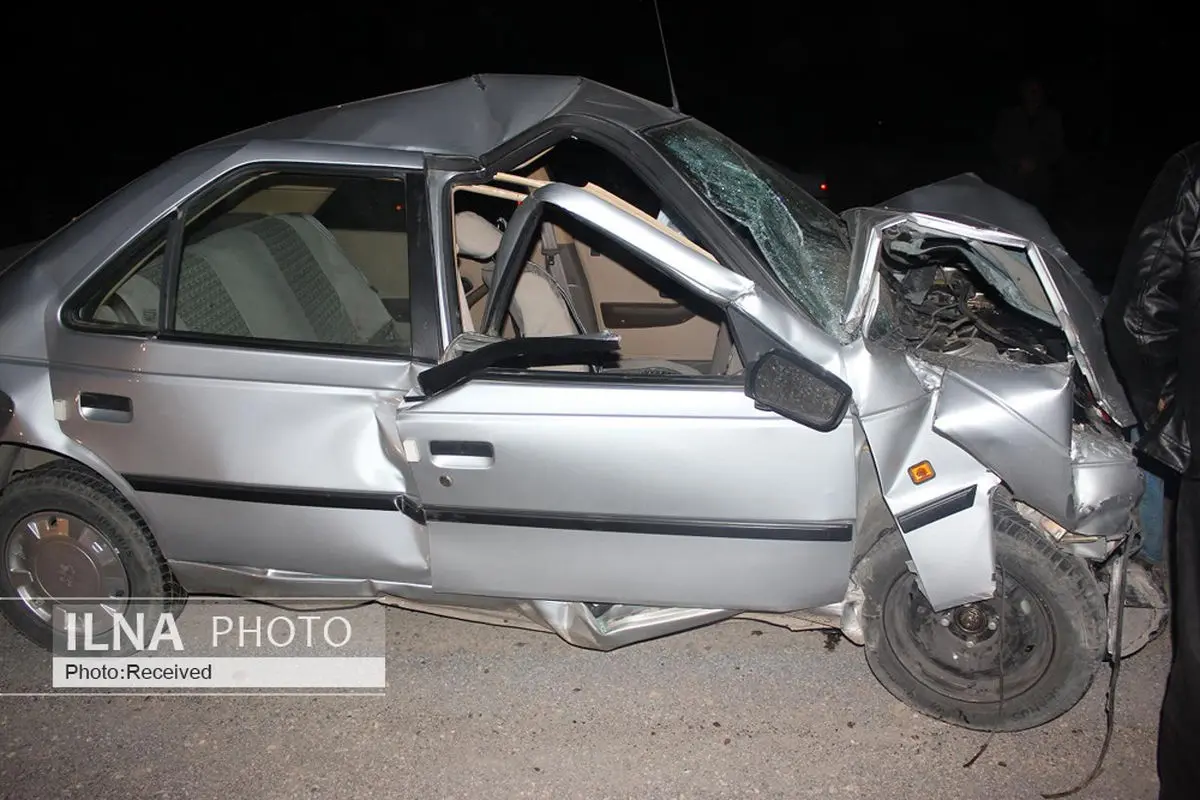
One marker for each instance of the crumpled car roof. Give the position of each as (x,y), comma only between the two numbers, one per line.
(466,117)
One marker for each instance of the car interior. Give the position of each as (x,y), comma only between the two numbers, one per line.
(286,258)
(325,259)
(575,280)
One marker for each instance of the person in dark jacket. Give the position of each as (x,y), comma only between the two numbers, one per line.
(1153,326)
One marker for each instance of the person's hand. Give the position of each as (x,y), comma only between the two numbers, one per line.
(1162,403)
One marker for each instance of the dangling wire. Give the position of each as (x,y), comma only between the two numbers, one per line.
(1110,702)
(1000,663)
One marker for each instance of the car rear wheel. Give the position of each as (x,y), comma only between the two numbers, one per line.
(70,542)
(1042,645)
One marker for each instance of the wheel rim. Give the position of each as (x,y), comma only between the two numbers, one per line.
(58,560)
(959,652)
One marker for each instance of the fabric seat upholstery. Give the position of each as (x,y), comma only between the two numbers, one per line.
(275,277)
(538,307)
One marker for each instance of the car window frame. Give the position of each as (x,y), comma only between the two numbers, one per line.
(678,197)
(425,346)
(528,236)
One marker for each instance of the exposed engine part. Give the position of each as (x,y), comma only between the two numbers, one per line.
(937,303)
(972,348)
(1088,547)
(941,309)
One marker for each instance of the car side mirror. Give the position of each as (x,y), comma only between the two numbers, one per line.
(798,389)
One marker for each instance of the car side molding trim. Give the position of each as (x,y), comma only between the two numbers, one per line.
(386,501)
(658,526)
(937,509)
(272,495)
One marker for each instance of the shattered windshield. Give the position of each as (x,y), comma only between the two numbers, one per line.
(804,244)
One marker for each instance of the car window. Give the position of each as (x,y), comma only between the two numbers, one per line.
(576,279)
(279,257)
(804,244)
(666,330)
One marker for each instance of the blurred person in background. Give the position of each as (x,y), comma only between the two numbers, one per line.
(1028,143)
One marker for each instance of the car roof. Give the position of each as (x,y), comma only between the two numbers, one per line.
(466,117)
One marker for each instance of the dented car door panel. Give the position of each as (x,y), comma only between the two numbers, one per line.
(539,485)
(545,488)
(975,422)
(946,521)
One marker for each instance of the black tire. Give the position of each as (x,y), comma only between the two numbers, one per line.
(1055,624)
(68,488)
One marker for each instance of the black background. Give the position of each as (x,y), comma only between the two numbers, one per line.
(877,99)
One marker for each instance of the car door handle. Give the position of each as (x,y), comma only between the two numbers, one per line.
(462,455)
(644,315)
(105,407)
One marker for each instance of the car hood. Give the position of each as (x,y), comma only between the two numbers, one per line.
(1074,303)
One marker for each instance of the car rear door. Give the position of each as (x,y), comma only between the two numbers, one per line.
(253,448)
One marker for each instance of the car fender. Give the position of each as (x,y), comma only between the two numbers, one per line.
(941,499)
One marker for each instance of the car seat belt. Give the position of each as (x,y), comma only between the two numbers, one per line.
(722,352)
(558,276)
(550,251)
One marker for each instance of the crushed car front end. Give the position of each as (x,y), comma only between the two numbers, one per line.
(952,309)
(992,313)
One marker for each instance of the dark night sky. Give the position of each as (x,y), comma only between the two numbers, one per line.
(879,101)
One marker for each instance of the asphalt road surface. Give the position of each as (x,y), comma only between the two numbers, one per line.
(740,709)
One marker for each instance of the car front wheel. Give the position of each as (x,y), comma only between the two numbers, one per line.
(69,541)
(1038,650)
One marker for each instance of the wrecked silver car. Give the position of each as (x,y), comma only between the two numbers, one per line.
(533,351)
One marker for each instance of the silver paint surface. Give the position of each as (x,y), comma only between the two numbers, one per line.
(1016,418)
(321,423)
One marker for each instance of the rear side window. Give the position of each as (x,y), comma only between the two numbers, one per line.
(277,257)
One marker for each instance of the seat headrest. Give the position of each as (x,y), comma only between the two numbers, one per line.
(477,238)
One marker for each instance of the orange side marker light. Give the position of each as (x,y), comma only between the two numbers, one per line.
(921,472)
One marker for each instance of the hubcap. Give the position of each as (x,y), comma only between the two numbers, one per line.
(55,559)
(971,619)
(960,652)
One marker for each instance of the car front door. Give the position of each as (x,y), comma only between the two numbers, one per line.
(674,490)
(236,354)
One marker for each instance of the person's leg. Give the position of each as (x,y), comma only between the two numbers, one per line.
(1152,513)
(1179,721)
